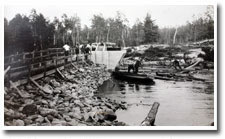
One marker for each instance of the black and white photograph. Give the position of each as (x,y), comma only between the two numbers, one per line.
(96,66)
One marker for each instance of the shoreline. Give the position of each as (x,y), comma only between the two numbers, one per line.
(65,102)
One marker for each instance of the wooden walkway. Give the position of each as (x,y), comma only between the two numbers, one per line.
(21,68)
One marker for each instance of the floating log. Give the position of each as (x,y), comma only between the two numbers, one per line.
(150,119)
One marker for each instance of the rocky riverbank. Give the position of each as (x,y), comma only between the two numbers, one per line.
(68,101)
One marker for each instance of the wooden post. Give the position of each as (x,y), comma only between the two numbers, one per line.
(45,66)
(56,58)
(150,119)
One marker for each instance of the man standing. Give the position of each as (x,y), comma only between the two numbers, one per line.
(66,51)
(87,51)
(77,51)
(137,65)
(176,64)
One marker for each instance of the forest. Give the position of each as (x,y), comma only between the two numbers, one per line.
(26,33)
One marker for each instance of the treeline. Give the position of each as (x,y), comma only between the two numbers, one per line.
(36,32)
(199,29)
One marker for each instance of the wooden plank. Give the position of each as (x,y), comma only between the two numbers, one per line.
(7,69)
(60,73)
(23,95)
(150,119)
(35,83)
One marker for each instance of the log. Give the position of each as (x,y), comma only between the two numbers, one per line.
(150,119)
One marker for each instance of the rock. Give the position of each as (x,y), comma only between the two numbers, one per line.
(109,105)
(29,109)
(40,119)
(32,117)
(54,83)
(45,111)
(28,101)
(50,117)
(87,117)
(29,87)
(120,124)
(74,95)
(66,104)
(47,89)
(27,121)
(45,102)
(75,115)
(68,92)
(57,91)
(123,93)
(67,118)
(72,123)
(107,123)
(109,115)
(81,70)
(18,122)
(98,117)
(58,122)
(76,109)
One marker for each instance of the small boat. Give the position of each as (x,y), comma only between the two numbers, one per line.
(133,77)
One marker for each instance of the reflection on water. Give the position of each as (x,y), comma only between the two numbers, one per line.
(181,103)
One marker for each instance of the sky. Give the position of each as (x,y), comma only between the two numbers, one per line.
(164,15)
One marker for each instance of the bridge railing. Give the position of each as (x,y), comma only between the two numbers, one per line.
(26,64)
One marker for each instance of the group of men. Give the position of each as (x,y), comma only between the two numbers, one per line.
(79,49)
(138,62)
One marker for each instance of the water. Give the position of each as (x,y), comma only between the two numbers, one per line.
(181,103)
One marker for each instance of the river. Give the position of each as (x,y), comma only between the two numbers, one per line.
(181,103)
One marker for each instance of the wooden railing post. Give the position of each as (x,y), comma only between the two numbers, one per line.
(56,58)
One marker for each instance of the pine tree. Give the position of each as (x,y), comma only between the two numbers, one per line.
(151,30)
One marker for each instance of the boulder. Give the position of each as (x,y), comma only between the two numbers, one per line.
(18,122)
(72,123)
(54,83)
(40,119)
(29,109)
(47,89)
(59,122)
(109,115)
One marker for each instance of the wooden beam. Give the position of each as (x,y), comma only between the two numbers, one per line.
(150,119)
(35,83)
(23,95)
(60,73)
(5,72)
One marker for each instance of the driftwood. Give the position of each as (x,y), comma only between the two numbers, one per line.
(150,119)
